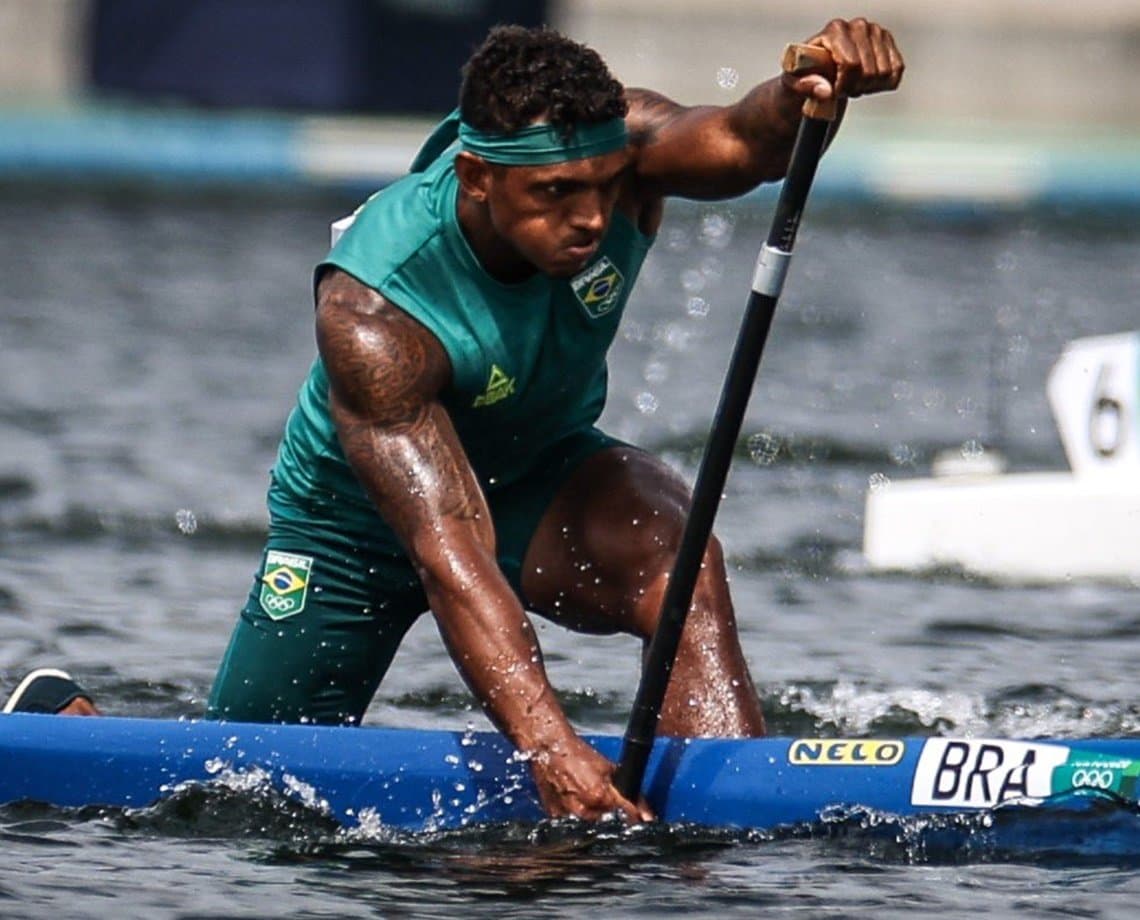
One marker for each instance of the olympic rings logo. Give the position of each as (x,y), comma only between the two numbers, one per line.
(1089,778)
(278,604)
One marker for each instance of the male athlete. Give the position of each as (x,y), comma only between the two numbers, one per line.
(443,453)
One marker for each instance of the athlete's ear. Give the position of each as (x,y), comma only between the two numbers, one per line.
(474,175)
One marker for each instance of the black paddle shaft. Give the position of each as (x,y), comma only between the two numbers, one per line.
(771,268)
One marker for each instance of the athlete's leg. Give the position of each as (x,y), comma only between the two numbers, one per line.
(314,652)
(599,561)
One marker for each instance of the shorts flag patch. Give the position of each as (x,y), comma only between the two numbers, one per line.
(284,584)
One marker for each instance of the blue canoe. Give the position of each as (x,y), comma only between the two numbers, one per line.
(434,780)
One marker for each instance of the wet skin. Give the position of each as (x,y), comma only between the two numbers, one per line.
(602,553)
(80,706)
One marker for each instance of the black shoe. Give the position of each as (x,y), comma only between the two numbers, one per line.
(46,690)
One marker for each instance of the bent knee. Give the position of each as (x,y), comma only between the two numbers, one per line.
(653,575)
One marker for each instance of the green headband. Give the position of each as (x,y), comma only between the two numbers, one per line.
(540,145)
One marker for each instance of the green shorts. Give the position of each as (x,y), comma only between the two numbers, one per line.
(324,617)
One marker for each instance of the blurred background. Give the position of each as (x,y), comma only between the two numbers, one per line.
(1005,100)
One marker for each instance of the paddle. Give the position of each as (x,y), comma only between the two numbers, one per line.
(767,283)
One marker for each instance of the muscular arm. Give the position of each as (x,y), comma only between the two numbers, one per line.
(723,151)
(711,152)
(386,372)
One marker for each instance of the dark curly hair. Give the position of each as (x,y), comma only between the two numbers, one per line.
(518,75)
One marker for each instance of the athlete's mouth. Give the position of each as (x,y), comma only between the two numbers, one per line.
(582,251)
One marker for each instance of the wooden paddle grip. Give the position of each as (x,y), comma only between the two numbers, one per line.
(803,59)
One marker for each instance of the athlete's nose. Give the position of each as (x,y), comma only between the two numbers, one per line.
(590,213)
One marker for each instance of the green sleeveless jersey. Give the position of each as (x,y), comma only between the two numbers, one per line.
(528,359)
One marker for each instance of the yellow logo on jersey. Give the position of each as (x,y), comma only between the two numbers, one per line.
(499,387)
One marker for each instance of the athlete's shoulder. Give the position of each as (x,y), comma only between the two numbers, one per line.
(395,226)
(400,215)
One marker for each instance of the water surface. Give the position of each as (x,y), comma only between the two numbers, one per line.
(152,343)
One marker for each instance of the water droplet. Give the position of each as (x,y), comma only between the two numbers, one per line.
(186,521)
(966,407)
(697,307)
(764,448)
(1018,347)
(877,481)
(902,454)
(727,77)
(973,449)
(716,230)
(646,403)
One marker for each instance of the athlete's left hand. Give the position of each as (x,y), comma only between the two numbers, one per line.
(867,60)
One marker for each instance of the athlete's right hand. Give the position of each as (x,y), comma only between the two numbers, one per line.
(866,59)
(574,780)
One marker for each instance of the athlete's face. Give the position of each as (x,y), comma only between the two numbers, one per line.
(554,217)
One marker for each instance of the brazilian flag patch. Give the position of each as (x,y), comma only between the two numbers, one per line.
(598,287)
(284,584)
